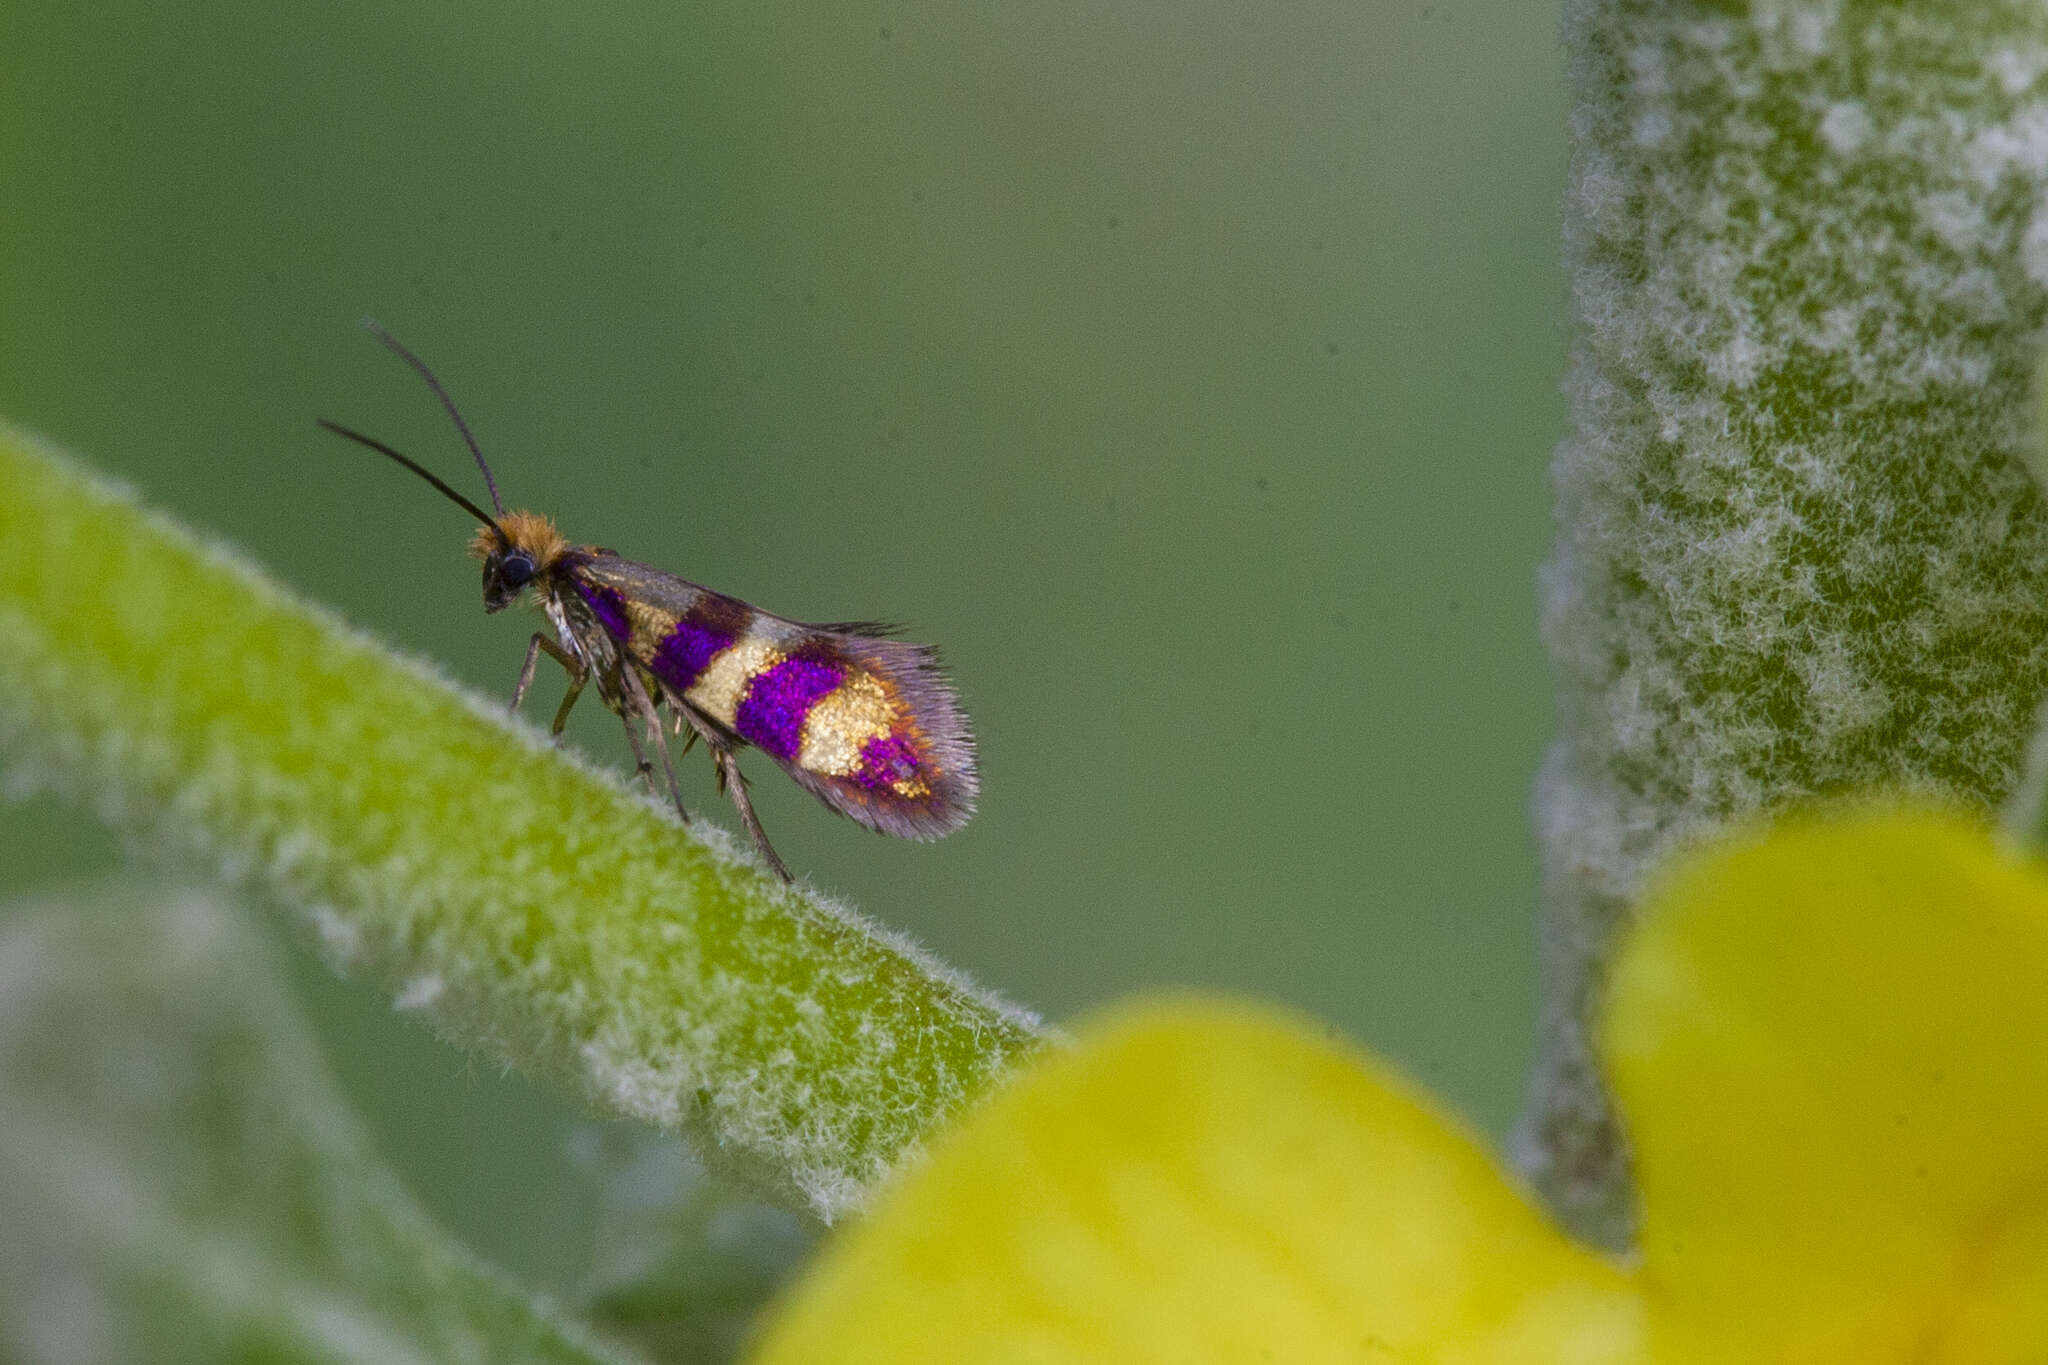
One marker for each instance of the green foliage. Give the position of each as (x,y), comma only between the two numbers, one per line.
(180,1180)
(526,904)
(683,1268)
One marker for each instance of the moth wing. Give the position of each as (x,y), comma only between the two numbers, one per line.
(888,746)
(640,583)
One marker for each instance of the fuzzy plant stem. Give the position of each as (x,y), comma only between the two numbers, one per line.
(1799,553)
(528,905)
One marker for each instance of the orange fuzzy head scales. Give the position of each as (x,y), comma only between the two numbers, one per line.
(529,533)
(518,548)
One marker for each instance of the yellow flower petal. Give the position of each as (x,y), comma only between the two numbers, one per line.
(1831,1044)
(1205,1182)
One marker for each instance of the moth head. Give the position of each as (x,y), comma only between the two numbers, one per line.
(516,549)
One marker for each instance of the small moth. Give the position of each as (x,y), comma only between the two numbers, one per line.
(866,723)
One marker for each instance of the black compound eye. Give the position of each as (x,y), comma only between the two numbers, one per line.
(515,571)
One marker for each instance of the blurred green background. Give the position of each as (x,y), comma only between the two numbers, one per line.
(1187,372)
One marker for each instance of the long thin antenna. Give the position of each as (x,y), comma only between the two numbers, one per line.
(396,347)
(464,503)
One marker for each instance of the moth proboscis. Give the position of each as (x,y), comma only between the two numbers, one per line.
(867,723)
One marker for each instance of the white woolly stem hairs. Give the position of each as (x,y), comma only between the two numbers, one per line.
(1798,553)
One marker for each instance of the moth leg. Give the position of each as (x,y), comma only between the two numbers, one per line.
(668,768)
(633,693)
(734,784)
(578,673)
(641,767)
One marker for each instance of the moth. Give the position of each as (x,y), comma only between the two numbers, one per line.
(868,724)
